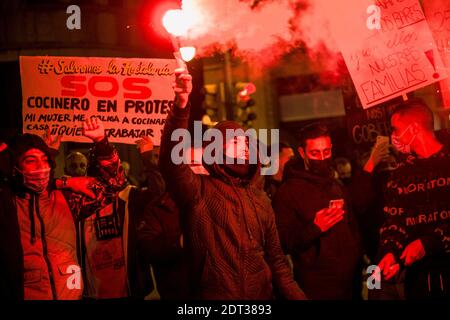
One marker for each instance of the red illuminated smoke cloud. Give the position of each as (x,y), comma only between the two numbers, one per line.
(259,30)
(236,24)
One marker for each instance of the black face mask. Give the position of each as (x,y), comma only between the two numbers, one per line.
(236,170)
(322,168)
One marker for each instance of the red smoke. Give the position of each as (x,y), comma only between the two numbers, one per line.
(253,29)
(259,31)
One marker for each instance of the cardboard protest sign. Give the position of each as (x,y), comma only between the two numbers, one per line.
(438,17)
(387,46)
(131,96)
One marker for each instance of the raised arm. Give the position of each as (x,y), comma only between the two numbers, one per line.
(181,182)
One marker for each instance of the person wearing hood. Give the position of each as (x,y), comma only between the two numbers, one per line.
(228,224)
(316,221)
(38,244)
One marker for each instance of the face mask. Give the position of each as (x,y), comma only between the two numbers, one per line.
(321,168)
(401,147)
(36,180)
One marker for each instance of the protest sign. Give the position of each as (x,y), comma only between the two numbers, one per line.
(438,17)
(131,96)
(386,59)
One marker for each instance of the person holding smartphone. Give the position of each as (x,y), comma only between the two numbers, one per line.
(316,222)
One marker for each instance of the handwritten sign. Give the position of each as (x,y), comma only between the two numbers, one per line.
(399,57)
(438,17)
(131,96)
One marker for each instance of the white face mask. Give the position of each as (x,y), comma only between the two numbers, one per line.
(401,147)
(36,180)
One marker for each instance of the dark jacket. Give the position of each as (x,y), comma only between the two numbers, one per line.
(129,203)
(159,245)
(11,252)
(416,206)
(324,263)
(229,227)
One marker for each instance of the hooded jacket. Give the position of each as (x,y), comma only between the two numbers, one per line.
(324,263)
(40,234)
(38,240)
(229,227)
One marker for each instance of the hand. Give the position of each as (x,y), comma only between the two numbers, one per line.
(94,129)
(380,152)
(388,266)
(52,141)
(182,87)
(145,144)
(413,252)
(82,185)
(326,218)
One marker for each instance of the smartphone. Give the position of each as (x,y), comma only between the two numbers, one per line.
(382,139)
(338,203)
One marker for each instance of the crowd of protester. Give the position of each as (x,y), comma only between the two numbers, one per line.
(221,231)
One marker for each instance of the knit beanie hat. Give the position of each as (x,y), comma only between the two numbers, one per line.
(23,142)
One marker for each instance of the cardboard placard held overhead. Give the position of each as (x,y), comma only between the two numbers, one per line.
(387,46)
(132,97)
(438,17)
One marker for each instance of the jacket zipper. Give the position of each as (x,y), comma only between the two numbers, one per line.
(45,251)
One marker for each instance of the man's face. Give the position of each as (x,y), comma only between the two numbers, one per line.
(32,160)
(401,129)
(237,148)
(317,149)
(76,166)
(344,170)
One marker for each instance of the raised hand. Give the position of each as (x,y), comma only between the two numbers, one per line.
(182,87)
(93,129)
(144,144)
(52,141)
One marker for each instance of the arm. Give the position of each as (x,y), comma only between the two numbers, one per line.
(393,237)
(434,242)
(182,183)
(92,193)
(278,263)
(361,188)
(294,235)
(438,241)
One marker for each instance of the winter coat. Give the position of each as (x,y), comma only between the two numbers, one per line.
(159,244)
(325,263)
(229,228)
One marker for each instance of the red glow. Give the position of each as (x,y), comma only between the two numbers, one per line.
(176,22)
(253,34)
(187,53)
(248,90)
